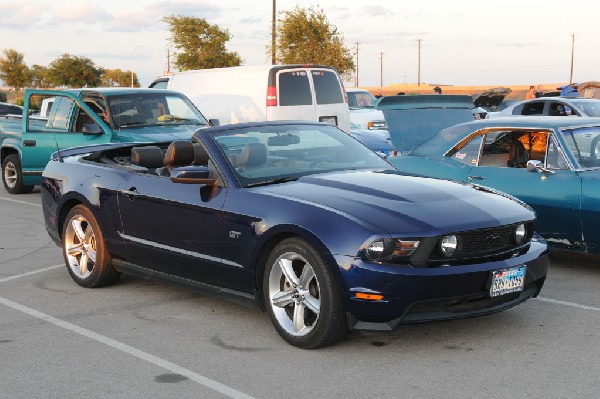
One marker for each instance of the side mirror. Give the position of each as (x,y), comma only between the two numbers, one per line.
(214,122)
(192,175)
(91,129)
(534,166)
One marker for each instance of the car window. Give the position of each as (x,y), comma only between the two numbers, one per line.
(327,87)
(554,158)
(469,153)
(584,144)
(590,108)
(533,108)
(361,99)
(294,88)
(59,116)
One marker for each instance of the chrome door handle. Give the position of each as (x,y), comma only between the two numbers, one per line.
(471,178)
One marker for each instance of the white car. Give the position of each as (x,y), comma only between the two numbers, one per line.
(362,110)
(551,106)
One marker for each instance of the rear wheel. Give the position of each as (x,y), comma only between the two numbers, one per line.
(12,175)
(86,257)
(303,296)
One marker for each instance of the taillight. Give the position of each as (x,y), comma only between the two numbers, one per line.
(271,96)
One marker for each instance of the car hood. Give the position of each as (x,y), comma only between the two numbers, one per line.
(156,133)
(491,97)
(404,205)
(413,119)
(378,140)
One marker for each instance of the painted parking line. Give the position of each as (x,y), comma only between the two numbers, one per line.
(20,202)
(172,367)
(45,269)
(571,304)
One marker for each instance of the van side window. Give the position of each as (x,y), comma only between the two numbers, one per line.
(294,88)
(327,87)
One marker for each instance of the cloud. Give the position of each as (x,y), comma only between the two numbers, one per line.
(250,20)
(20,16)
(377,11)
(74,11)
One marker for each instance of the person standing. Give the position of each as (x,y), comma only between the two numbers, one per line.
(437,90)
(530,93)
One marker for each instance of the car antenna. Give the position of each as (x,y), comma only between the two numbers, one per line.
(60,157)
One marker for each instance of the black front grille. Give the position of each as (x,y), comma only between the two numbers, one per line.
(474,246)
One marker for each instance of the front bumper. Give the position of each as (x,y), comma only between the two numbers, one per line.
(440,293)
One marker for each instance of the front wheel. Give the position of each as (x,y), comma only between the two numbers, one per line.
(303,296)
(12,175)
(84,250)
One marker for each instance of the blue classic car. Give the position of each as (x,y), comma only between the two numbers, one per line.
(297,217)
(552,164)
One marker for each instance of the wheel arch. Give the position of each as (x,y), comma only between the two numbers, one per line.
(66,207)
(6,151)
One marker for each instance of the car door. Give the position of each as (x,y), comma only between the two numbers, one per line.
(554,194)
(41,137)
(173,228)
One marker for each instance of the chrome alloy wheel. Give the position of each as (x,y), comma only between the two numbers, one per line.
(10,174)
(79,243)
(294,294)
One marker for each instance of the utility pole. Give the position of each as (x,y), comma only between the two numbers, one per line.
(572,57)
(273,27)
(419,64)
(381,70)
(356,76)
(168,60)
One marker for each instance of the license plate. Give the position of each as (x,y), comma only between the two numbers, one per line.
(507,281)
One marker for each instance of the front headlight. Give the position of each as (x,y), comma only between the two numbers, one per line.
(520,233)
(448,245)
(390,249)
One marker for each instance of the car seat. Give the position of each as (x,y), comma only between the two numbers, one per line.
(517,154)
(179,153)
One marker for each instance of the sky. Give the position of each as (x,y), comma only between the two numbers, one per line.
(462,43)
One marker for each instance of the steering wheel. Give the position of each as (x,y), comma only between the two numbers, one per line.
(319,160)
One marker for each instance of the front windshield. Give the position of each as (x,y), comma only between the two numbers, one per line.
(590,108)
(361,99)
(266,154)
(152,109)
(584,144)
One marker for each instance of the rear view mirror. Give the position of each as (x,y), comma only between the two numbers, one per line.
(283,139)
(214,122)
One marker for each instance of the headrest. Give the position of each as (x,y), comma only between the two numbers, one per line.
(253,154)
(200,154)
(179,153)
(148,157)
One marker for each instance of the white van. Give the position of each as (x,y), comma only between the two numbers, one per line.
(264,93)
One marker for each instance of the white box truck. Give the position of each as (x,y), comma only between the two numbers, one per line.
(264,93)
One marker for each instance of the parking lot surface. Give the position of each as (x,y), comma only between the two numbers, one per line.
(140,339)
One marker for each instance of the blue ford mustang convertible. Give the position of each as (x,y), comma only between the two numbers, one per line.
(297,217)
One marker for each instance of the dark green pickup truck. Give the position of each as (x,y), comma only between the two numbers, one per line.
(88,116)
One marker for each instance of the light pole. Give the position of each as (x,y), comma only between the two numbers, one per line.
(134,50)
(572,57)
(273,27)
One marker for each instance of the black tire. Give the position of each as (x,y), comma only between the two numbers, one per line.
(320,286)
(84,250)
(12,175)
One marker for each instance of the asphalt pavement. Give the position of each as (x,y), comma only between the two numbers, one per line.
(141,339)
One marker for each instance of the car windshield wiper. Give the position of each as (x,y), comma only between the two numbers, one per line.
(273,181)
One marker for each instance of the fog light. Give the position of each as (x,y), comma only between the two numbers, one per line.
(449,245)
(520,233)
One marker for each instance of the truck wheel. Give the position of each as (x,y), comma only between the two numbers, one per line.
(12,175)
(84,250)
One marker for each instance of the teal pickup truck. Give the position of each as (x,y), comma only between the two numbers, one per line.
(88,116)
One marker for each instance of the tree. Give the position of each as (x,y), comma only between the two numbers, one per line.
(39,76)
(199,45)
(13,70)
(117,77)
(305,36)
(73,71)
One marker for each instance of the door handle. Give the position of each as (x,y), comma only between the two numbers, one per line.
(131,193)
(472,178)
(29,143)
